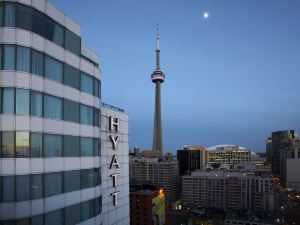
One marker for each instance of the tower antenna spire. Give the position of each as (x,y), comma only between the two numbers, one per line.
(157,36)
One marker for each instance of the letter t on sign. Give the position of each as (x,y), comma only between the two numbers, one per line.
(114,122)
(115,196)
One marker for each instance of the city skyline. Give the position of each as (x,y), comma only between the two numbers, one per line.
(232,77)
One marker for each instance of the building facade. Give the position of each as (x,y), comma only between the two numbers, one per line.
(228,190)
(147,205)
(114,165)
(282,143)
(156,171)
(191,158)
(230,154)
(50,165)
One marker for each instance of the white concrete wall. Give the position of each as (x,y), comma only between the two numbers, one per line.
(111,214)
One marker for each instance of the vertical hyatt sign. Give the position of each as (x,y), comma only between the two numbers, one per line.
(114,160)
(114,125)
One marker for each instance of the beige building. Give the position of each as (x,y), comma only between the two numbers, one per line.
(230,154)
(228,190)
(155,171)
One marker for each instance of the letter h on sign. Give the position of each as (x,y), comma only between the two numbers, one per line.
(114,123)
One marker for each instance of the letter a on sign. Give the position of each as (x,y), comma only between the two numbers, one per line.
(114,162)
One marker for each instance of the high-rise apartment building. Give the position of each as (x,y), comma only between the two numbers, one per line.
(228,190)
(283,142)
(285,148)
(156,171)
(191,158)
(50,167)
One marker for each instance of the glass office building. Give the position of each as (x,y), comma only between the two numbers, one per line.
(50,159)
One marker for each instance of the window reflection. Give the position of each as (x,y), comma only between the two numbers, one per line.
(22,144)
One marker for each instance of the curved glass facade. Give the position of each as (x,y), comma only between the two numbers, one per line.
(28,60)
(70,215)
(56,157)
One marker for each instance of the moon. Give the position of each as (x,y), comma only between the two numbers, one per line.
(205,15)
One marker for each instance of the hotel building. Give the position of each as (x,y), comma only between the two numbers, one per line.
(51,169)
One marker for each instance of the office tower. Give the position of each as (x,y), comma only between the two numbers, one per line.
(155,171)
(283,142)
(286,158)
(228,190)
(158,78)
(50,166)
(191,158)
(147,205)
(114,165)
(230,154)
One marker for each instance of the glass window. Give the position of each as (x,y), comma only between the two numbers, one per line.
(36,145)
(23,59)
(1,54)
(86,146)
(52,145)
(71,146)
(71,111)
(98,205)
(36,186)
(53,69)
(87,178)
(72,42)
(22,221)
(22,144)
(86,115)
(86,83)
(8,106)
(1,15)
(36,220)
(37,62)
(52,107)
(24,17)
(71,76)
(9,15)
(54,32)
(55,217)
(87,210)
(53,184)
(96,117)
(72,215)
(9,57)
(97,176)
(22,102)
(8,188)
(38,23)
(22,188)
(36,104)
(8,144)
(72,180)
(97,150)
(96,87)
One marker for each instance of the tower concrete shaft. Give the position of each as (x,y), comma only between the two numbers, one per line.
(158,78)
(157,132)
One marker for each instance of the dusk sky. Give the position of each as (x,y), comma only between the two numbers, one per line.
(232,78)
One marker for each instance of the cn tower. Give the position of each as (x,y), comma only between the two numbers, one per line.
(158,78)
